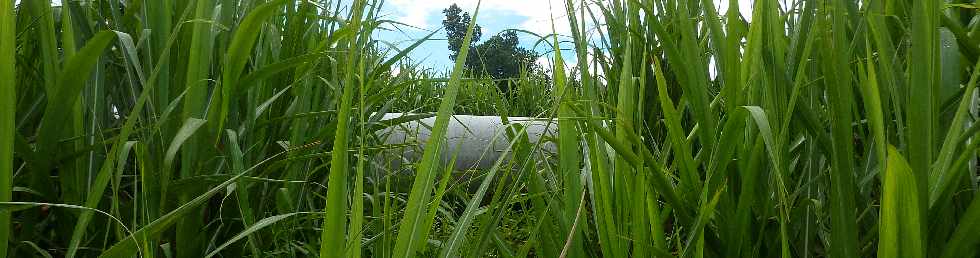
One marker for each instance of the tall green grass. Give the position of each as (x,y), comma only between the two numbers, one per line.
(219,128)
(8,114)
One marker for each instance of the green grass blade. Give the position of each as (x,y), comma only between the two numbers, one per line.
(159,18)
(191,125)
(238,54)
(200,47)
(94,197)
(704,217)
(840,103)
(241,189)
(189,237)
(569,154)
(941,176)
(403,53)
(8,111)
(439,194)
(672,119)
(128,246)
(77,69)
(41,13)
(271,70)
(775,155)
(963,243)
(923,76)
(408,231)
(81,63)
(626,124)
(901,220)
(660,180)
(335,221)
(462,226)
(261,224)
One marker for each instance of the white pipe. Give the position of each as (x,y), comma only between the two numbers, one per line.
(480,140)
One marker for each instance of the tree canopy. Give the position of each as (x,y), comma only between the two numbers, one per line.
(456,23)
(501,57)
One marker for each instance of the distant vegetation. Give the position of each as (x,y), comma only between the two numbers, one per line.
(500,57)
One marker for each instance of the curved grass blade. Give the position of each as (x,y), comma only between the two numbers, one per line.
(775,155)
(941,177)
(272,69)
(266,222)
(18,206)
(411,226)
(80,64)
(130,121)
(77,70)
(191,125)
(332,238)
(129,245)
(238,54)
(401,54)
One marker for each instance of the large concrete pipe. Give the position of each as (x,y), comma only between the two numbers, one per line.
(479,140)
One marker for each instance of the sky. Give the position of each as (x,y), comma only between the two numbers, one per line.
(425,16)
(421,17)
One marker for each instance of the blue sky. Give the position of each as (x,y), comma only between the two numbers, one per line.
(495,16)
(425,16)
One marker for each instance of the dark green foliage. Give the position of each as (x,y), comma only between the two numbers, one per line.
(500,57)
(455,24)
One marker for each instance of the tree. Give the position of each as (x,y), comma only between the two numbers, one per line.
(456,26)
(500,57)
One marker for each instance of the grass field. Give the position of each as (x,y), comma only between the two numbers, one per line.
(247,128)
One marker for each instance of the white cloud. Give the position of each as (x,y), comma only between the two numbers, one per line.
(538,18)
(531,15)
(543,61)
